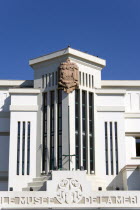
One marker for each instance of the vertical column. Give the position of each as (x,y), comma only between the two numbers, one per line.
(65,132)
(55,128)
(95,134)
(48,133)
(87,133)
(72,128)
(81,137)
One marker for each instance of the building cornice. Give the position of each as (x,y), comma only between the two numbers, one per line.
(132,115)
(130,167)
(68,51)
(16,83)
(24,91)
(110,109)
(110,91)
(134,134)
(120,83)
(33,108)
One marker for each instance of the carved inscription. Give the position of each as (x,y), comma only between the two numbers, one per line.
(69,193)
(68,76)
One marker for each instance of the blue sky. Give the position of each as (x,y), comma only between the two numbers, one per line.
(105,28)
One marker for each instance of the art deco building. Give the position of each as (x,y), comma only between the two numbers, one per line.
(69,120)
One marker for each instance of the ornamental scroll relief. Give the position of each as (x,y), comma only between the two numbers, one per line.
(68,78)
(69,191)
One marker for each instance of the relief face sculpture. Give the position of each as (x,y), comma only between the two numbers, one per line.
(68,76)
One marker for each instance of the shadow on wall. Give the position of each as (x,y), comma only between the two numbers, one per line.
(5,103)
(117,183)
(27,84)
(133,181)
(5,100)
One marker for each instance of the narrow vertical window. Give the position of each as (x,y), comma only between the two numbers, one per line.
(79,77)
(44,132)
(51,130)
(42,81)
(49,79)
(83,79)
(91,138)
(23,148)
(56,76)
(86,80)
(111,148)
(106,147)
(89,82)
(92,81)
(53,79)
(84,127)
(46,80)
(60,129)
(28,148)
(18,148)
(77,143)
(116,146)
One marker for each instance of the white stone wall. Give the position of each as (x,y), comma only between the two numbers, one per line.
(132,101)
(20,113)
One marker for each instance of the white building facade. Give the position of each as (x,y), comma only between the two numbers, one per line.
(50,132)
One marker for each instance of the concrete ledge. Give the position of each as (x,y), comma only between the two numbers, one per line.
(130,167)
(24,91)
(16,83)
(24,108)
(110,91)
(135,134)
(110,108)
(122,83)
(135,158)
(132,115)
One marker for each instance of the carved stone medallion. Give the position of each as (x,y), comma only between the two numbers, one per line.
(69,191)
(68,76)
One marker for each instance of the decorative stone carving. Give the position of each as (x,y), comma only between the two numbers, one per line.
(69,191)
(68,76)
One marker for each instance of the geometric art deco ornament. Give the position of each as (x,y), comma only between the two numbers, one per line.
(69,191)
(68,76)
